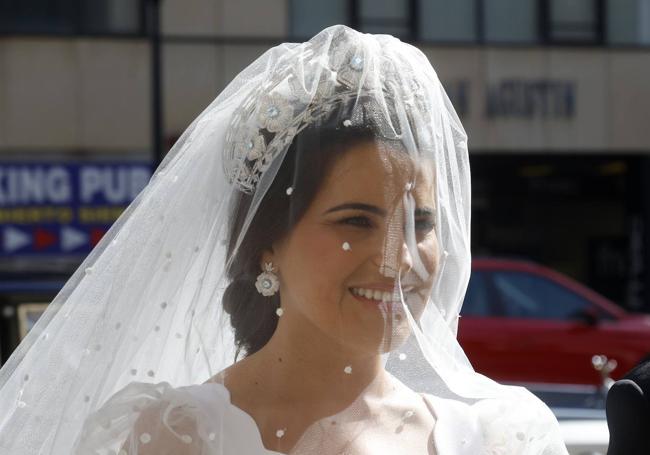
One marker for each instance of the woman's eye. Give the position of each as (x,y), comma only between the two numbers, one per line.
(360,221)
(424,225)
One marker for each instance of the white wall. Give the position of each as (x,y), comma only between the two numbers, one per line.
(94,94)
(251,18)
(73,94)
(611,93)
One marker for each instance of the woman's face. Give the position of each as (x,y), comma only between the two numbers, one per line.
(370,224)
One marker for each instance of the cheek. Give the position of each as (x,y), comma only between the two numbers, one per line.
(428,252)
(318,265)
(431,253)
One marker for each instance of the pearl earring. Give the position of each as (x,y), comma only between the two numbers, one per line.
(267,282)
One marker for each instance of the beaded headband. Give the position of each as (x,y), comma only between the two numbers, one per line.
(281,107)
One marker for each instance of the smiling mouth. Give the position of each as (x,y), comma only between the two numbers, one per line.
(375,296)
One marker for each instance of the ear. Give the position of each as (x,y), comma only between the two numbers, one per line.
(268,256)
(273,254)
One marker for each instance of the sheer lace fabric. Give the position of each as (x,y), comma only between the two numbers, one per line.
(148,419)
(341,164)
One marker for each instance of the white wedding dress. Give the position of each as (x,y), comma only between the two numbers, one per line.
(145,419)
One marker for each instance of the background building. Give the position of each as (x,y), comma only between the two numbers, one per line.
(553,94)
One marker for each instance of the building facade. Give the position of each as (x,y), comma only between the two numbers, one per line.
(553,95)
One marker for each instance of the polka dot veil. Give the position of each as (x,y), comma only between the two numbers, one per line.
(289,281)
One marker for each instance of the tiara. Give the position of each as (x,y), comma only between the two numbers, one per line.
(266,122)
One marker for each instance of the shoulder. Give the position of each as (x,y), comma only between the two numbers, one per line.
(157,431)
(156,419)
(521,422)
(515,422)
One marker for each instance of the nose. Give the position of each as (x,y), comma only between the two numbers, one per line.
(396,258)
(405,259)
(394,264)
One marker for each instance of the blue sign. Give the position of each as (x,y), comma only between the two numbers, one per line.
(63,207)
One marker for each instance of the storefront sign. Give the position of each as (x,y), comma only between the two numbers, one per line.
(63,208)
(536,98)
(518,98)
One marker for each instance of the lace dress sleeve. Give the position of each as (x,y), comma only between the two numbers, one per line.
(163,429)
(153,419)
(519,424)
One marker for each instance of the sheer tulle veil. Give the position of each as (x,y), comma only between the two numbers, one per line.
(168,299)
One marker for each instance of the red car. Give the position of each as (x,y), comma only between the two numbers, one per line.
(522,322)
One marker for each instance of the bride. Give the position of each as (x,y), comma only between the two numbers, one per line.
(289,282)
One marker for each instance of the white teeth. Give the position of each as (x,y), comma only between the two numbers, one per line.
(374,294)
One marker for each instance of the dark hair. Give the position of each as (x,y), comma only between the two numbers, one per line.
(307,161)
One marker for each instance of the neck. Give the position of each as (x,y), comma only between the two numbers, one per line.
(300,363)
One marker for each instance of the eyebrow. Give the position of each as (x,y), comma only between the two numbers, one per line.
(357,206)
(423,211)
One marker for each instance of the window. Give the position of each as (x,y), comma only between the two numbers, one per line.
(443,20)
(470,21)
(112,16)
(510,21)
(522,295)
(37,16)
(71,16)
(628,21)
(573,21)
(385,16)
(477,299)
(394,17)
(309,17)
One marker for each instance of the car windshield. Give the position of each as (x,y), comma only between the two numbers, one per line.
(515,294)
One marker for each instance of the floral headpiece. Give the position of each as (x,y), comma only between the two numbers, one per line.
(297,94)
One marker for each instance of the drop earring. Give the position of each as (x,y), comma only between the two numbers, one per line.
(267,282)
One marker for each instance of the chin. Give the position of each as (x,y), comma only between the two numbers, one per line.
(390,338)
(380,331)
(397,338)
